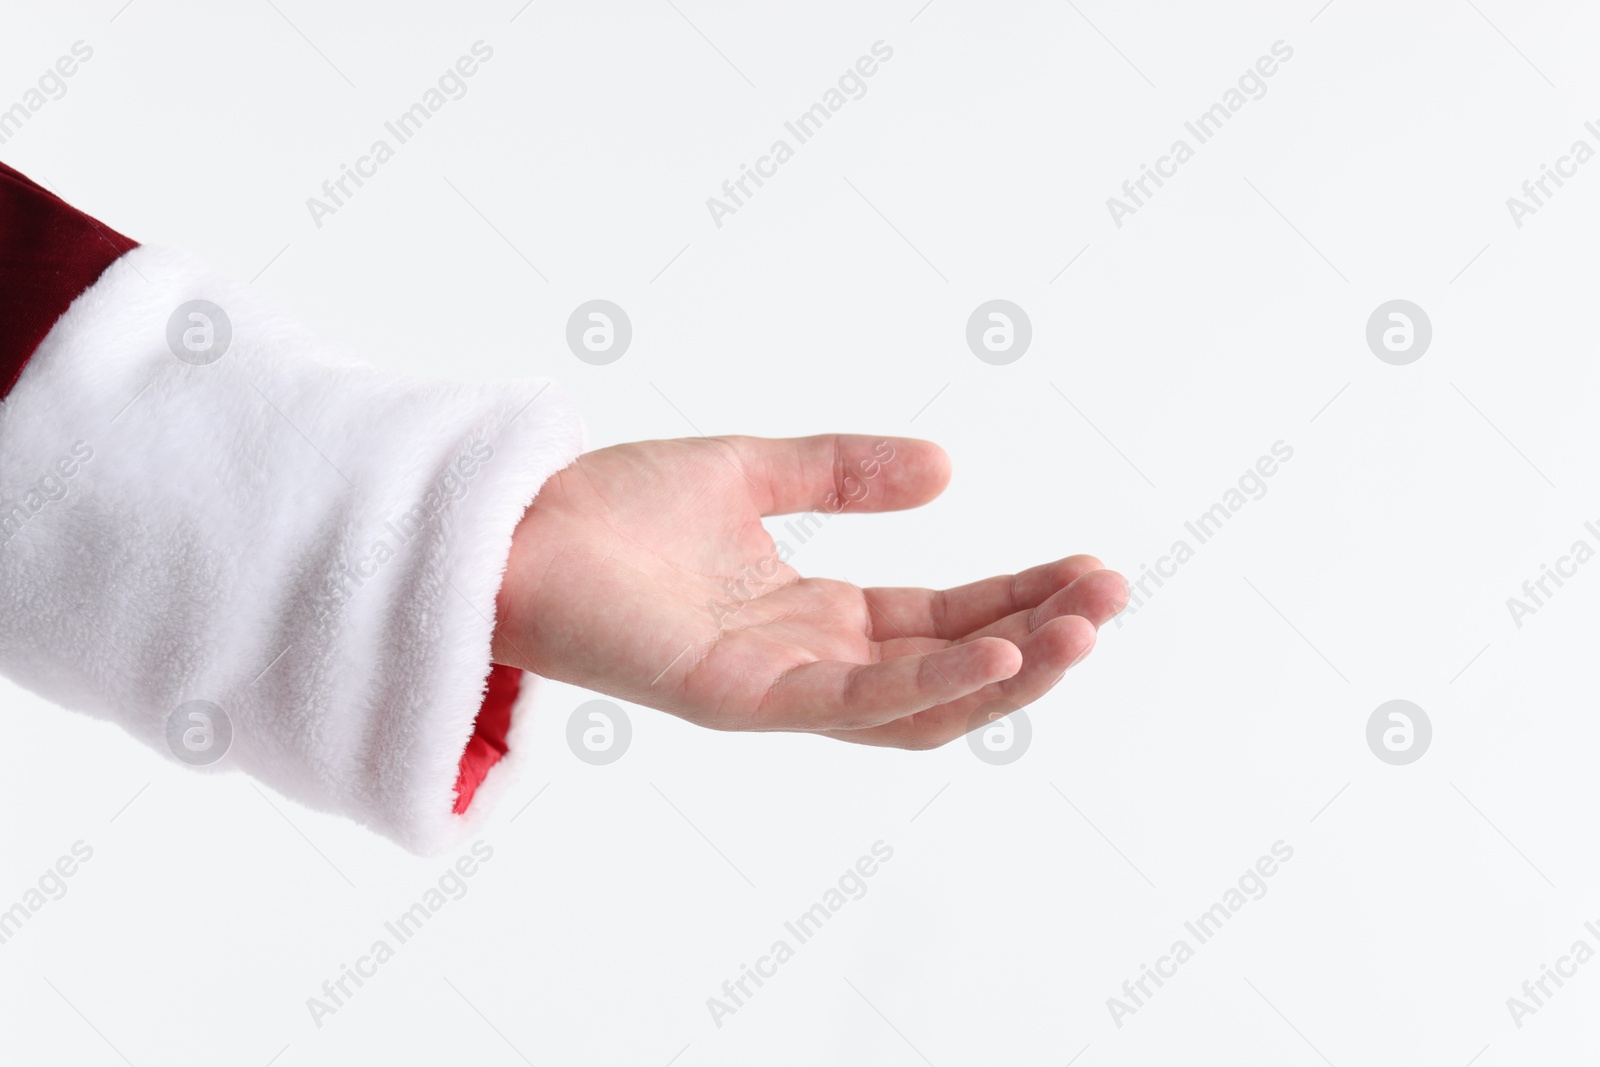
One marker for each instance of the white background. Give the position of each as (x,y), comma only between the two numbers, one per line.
(1227,314)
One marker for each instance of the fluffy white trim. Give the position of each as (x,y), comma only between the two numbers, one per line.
(311,544)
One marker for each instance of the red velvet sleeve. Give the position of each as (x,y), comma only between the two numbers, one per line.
(49,253)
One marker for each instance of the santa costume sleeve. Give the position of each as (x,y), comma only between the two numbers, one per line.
(249,550)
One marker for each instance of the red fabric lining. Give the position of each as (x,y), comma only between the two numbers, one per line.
(488,741)
(50,252)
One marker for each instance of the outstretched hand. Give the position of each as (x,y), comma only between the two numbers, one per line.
(643,571)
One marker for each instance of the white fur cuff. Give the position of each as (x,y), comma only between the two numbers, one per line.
(205,511)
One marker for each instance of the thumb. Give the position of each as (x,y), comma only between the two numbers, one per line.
(842,472)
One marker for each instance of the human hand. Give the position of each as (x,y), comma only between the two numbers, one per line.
(643,571)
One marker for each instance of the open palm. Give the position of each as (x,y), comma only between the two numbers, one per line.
(643,571)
